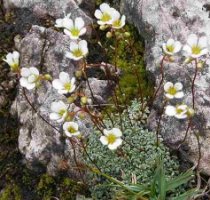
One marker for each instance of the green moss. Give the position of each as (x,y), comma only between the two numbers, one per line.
(12,192)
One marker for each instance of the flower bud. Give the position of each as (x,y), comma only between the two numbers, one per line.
(48,77)
(84,100)
(190,112)
(81,115)
(171,59)
(71,99)
(78,74)
(127,34)
(188,60)
(200,64)
(103,27)
(109,34)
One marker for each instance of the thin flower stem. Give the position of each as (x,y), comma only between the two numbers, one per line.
(193,83)
(159,122)
(75,159)
(186,133)
(144,106)
(26,97)
(87,154)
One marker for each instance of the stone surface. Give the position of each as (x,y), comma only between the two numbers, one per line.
(157,21)
(38,141)
(53,8)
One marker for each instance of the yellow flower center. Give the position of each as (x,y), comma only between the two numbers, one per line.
(196,50)
(170,48)
(14,66)
(61,112)
(172,90)
(67,86)
(179,110)
(111,138)
(75,31)
(105,17)
(72,130)
(117,23)
(77,53)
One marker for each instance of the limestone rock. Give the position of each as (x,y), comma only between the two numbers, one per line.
(157,21)
(53,8)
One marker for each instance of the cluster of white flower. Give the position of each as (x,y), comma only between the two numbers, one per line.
(174,91)
(30,77)
(74,29)
(108,16)
(195,47)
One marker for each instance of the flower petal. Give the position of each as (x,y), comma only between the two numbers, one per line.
(57,84)
(98,14)
(178,86)
(25,72)
(167,86)
(73,46)
(170,42)
(177,46)
(34,70)
(179,95)
(54,116)
(104,140)
(104,7)
(117,132)
(79,23)
(192,40)
(202,43)
(64,77)
(170,110)
(68,24)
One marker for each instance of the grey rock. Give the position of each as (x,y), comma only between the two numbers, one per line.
(39,142)
(157,21)
(53,8)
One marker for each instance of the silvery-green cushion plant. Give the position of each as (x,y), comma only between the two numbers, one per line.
(134,160)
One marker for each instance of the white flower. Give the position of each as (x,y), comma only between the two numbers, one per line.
(74,29)
(77,50)
(105,14)
(30,77)
(59,111)
(180,111)
(117,21)
(71,129)
(171,47)
(13,60)
(173,90)
(64,85)
(60,22)
(195,46)
(111,138)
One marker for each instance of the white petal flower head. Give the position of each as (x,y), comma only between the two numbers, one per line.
(105,14)
(112,138)
(74,29)
(29,77)
(64,84)
(173,90)
(59,111)
(118,21)
(171,47)
(196,47)
(71,129)
(12,59)
(78,50)
(62,21)
(179,112)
